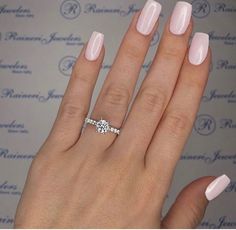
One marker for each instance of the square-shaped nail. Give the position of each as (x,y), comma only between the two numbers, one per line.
(216,187)
(180,17)
(94,46)
(148,17)
(199,48)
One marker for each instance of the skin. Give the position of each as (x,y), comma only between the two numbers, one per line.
(89,180)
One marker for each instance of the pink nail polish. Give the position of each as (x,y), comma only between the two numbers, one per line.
(148,17)
(216,187)
(180,17)
(94,46)
(199,48)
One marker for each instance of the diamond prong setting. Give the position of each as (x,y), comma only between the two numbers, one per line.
(102,126)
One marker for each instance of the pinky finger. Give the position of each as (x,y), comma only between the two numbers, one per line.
(77,98)
(178,118)
(190,205)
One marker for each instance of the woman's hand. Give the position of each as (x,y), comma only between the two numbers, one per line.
(120,181)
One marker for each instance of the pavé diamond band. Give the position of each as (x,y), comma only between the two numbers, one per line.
(102,126)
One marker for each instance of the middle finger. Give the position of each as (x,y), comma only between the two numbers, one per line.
(157,88)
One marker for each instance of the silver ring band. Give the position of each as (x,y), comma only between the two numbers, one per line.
(102,126)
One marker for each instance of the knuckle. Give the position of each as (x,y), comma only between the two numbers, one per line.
(174,51)
(133,51)
(177,123)
(69,110)
(194,85)
(40,165)
(83,78)
(152,98)
(116,96)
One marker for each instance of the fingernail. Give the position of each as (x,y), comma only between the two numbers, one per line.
(94,46)
(199,48)
(180,18)
(148,17)
(216,187)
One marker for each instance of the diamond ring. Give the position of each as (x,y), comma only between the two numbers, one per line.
(102,126)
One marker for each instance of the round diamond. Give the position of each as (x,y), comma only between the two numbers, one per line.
(102,126)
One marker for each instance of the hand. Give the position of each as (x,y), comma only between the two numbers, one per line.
(87,179)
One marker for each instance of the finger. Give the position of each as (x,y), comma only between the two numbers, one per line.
(178,118)
(114,98)
(76,101)
(156,90)
(189,207)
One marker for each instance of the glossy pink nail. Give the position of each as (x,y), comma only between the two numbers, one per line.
(148,17)
(94,46)
(180,18)
(199,48)
(216,187)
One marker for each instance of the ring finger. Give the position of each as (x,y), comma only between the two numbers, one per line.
(157,88)
(114,98)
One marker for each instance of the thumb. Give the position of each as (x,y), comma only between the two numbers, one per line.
(190,205)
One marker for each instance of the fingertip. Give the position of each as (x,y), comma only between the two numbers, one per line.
(197,187)
(133,27)
(189,206)
(216,187)
(199,48)
(94,46)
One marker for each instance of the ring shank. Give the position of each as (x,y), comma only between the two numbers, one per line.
(109,128)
